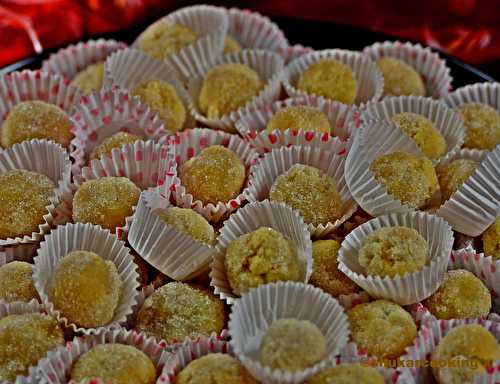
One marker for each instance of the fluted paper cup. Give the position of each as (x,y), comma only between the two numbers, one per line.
(411,287)
(250,218)
(280,160)
(102,114)
(269,67)
(343,121)
(56,367)
(22,252)
(209,23)
(483,93)
(46,158)
(188,144)
(75,58)
(476,204)
(448,122)
(370,83)
(432,68)
(86,237)
(252,315)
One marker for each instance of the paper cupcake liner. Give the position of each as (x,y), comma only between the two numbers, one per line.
(56,367)
(433,70)
(445,120)
(269,67)
(252,125)
(260,307)
(188,144)
(46,158)
(249,218)
(369,79)
(73,237)
(22,252)
(371,141)
(411,287)
(76,57)
(177,255)
(484,93)
(428,339)
(210,23)
(476,204)
(294,51)
(278,161)
(102,114)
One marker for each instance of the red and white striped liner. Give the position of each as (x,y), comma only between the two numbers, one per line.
(190,143)
(433,70)
(344,120)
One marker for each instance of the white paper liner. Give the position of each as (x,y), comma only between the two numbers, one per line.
(248,219)
(448,122)
(19,308)
(433,70)
(269,67)
(56,367)
(370,83)
(295,51)
(476,204)
(75,58)
(22,252)
(210,23)
(177,255)
(46,158)
(428,339)
(260,307)
(343,118)
(87,237)
(411,287)
(280,160)
(102,114)
(188,144)
(371,141)
(484,93)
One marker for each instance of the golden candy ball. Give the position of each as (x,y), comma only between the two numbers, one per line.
(90,79)
(162,39)
(400,79)
(115,141)
(16,282)
(299,117)
(453,175)
(189,222)
(482,126)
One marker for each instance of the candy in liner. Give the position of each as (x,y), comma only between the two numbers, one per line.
(484,93)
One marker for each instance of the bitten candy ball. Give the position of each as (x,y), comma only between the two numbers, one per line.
(491,240)
(452,176)
(36,120)
(352,373)
(164,38)
(331,79)
(114,141)
(16,282)
(85,288)
(90,79)
(299,117)
(482,126)
(189,222)
(400,79)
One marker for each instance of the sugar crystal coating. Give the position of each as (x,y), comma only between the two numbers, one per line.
(115,141)
(482,125)
(299,117)
(453,175)
(16,282)
(231,45)
(189,222)
(90,79)
(348,373)
(491,240)
(400,79)
(164,38)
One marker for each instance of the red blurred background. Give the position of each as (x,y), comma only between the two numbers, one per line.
(468,29)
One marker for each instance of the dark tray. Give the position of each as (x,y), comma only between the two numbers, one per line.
(319,35)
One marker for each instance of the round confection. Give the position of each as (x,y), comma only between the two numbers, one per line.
(460,295)
(469,343)
(217,174)
(299,117)
(164,38)
(36,120)
(393,251)
(24,196)
(163,98)
(16,282)
(231,45)
(178,310)
(114,141)
(352,373)
(409,178)
(260,257)
(215,368)
(400,79)
(189,222)
(331,79)
(311,192)
(382,327)
(326,274)
(25,339)
(451,176)
(90,79)
(292,345)
(114,363)
(226,88)
(106,202)
(85,288)
(491,240)
(423,132)
(482,126)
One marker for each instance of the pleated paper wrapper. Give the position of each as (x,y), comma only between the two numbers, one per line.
(483,93)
